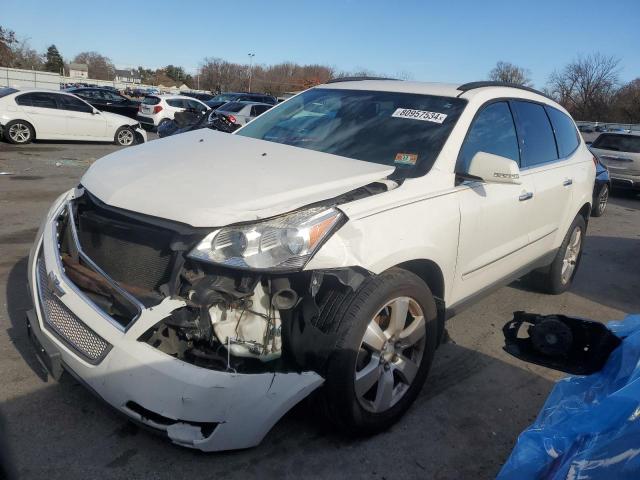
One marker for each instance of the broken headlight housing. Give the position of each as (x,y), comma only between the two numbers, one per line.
(282,243)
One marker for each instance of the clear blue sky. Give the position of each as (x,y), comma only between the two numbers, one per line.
(448,41)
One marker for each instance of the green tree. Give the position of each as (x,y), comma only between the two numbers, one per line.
(54,62)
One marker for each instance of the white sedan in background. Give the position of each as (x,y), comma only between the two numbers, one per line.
(39,114)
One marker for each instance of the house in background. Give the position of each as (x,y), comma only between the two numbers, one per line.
(127,76)
(78,70)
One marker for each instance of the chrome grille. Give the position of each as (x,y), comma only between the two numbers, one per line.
(60,321)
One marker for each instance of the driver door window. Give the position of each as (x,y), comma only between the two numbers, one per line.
(493,131)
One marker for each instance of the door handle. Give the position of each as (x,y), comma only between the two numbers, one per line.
(525,196)
(567,182)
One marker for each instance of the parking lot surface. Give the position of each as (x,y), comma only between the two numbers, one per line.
(464,424)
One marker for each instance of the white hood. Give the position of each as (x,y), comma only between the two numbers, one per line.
(206,178)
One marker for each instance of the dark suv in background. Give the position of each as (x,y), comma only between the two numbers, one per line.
(107,100)
(223,98)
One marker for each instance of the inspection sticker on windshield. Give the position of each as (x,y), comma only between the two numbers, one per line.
(419,115)
(406,158)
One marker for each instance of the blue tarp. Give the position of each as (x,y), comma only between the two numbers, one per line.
(589,427)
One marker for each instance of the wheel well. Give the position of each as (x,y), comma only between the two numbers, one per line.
(431,274)
(585,211)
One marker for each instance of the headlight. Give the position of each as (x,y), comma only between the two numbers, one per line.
(282,243)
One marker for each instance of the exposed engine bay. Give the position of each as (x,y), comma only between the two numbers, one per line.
(231,319)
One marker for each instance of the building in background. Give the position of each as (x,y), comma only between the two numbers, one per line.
(78,70)
(128,76)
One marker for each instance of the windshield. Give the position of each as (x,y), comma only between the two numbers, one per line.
(224,97)
(403,130)
(619,143)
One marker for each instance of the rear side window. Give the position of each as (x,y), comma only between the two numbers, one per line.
(150,100)
(493,131)
(37,99)
(259,110)
(537,143)
(7,91)
(232,107)
(67,102)
(618,143)
(565,130)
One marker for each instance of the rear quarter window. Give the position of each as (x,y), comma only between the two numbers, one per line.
(537,142)
(565,130)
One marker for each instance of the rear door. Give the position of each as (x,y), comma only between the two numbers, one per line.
(494,231)
(42,111)
(552,174)
(82,122)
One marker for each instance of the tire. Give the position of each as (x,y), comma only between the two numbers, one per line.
(19,132)
(372,380)
(164,121)
(125,137)
(600,202)
(557,278)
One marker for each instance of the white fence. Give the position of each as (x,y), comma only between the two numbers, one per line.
(18,78)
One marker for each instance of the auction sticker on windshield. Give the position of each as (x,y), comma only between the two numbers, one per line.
(406,158)
(419,115)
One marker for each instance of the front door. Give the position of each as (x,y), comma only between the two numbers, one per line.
(82,122)
(494,228)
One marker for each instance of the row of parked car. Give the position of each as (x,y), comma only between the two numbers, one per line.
(103,114)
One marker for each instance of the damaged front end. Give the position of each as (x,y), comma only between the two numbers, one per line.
(230,319)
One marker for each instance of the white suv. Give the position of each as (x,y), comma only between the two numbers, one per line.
(206,283)
(157,109)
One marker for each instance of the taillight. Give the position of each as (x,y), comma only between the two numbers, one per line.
(231,118)
(157,109)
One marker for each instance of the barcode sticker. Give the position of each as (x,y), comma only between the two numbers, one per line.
(423,115)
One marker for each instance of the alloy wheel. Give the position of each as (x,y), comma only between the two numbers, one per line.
(390,354)
(571,255)
(19,133)
(125,137)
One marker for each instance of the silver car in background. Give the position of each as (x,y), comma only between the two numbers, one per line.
(241,113)
(620,153)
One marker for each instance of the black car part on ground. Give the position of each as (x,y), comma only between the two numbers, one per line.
(568,344)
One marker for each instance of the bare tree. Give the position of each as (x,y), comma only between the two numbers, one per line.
(626,103)
(510,73)
(26,57)
(7,41)
(586,86)
(100,67)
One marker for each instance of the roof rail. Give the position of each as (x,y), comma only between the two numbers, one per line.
(357,79)
(472,85)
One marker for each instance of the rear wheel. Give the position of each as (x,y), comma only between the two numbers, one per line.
(558,277)
(19,132)
(125,136)
(387,334)
(601,201)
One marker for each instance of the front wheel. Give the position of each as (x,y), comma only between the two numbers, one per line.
(387,334)
(125,137)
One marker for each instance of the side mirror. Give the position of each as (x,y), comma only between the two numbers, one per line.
(494,168)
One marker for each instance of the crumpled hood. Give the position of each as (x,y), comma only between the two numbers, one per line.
(206,178)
